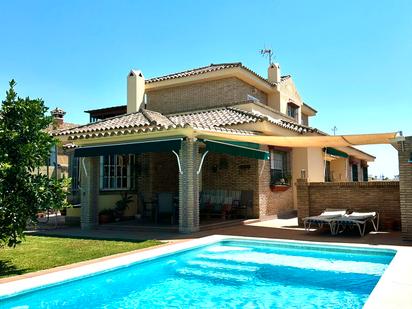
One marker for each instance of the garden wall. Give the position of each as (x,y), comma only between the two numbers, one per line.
(380,196)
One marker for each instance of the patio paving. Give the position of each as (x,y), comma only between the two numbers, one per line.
(274,228)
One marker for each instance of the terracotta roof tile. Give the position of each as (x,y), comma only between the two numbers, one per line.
(148,121)
(210,68)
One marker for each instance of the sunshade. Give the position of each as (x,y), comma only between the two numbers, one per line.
(335,152)
(302,141)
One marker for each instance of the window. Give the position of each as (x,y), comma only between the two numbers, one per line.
(365,173)
(74,172)
(305,119)
(116,172)
(52,158)
(355,172)
(293,110)
(279,168)
(328,176)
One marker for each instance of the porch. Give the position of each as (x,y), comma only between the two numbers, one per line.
(172,185)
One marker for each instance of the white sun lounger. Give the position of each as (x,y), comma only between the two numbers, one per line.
(328,216)
(359,219)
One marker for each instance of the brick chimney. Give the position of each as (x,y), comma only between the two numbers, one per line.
(274,73)
(135,91)
(58,117)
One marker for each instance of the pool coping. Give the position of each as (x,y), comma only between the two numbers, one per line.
(394,289)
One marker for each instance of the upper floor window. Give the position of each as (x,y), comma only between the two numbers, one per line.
(116,172)
(305,119)
(279,168)
(293,110)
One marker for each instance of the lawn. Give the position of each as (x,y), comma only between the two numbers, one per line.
(39,252)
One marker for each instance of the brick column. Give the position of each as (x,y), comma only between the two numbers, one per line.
(302,187)
(189,187)
(405,187)
(89,192)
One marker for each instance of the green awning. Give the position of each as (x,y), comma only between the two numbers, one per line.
(335,152)
(129,148)
(235,149)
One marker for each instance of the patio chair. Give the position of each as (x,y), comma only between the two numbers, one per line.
(328,216)
(358,219)
(147,207)
(165,206)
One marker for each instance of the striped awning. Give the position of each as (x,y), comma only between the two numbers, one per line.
(237,149)
(129,148)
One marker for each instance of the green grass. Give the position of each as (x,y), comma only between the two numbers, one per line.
(41,252)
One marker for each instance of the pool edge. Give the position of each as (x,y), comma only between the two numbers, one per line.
(395,277)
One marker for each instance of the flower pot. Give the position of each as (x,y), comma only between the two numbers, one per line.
(103,219)
(279,188)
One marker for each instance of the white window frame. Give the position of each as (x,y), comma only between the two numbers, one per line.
(281,165)
(293,111)
(113,170)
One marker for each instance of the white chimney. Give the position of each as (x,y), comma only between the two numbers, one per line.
(274,73)
(135,91)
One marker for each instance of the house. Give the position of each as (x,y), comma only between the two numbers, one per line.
(190,136)
(58,163)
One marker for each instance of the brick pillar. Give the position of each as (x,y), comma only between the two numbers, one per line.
(189,187)
(89,192)
(302,187)
(405,187)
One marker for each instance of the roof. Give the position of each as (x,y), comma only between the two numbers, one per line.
(107,109)
(62,127)
(309,107)
(220,119)
(210,68)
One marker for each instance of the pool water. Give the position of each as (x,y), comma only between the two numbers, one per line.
(227,274)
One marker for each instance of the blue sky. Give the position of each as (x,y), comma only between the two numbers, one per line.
(351,60)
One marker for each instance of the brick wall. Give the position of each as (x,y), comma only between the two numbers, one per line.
(380,196)
(271,203)
(203,95)
(226,172)
(405,178)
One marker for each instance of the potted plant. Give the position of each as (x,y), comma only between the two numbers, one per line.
(106,216)
(281,184)
(122,204)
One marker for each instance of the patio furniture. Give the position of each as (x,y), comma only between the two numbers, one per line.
(165,206)
(147,207)
(242,206)
(358,219)
(328,216)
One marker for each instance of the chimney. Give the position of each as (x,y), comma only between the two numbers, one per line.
(135,91)
(274,73)
(58,117)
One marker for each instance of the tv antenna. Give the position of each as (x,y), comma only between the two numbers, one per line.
(267,52)
(334,129)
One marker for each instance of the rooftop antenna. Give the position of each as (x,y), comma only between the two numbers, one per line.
(334,129)
(267,52)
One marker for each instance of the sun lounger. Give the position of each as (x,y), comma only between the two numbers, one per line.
(359,219)
(328,216)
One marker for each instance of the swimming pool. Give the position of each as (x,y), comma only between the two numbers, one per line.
(230,273)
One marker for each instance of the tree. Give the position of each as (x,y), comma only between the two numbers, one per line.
(24,147)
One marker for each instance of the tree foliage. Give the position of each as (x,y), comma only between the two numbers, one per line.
(25,146)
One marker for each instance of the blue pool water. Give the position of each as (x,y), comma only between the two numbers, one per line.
(227,274)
